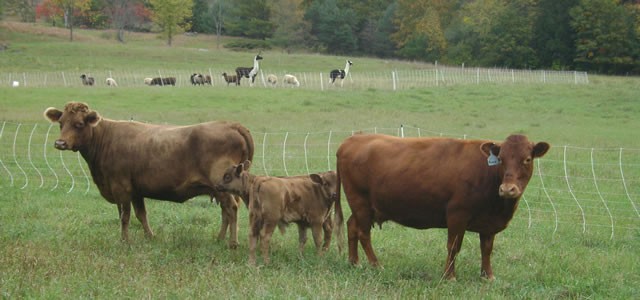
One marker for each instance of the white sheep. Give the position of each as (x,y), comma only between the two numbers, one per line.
(148,80)
(272,79)
(111,82)
(290,79)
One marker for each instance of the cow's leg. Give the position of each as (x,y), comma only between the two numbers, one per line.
(229,207)
(486,247)
(125,215)
(141,214)
(327,228)
(364,222)
(265,238)
(453,247)
(302,237)
(352,236)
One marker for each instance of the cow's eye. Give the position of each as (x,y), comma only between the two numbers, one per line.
(79,125)
(527,161)
(226,178)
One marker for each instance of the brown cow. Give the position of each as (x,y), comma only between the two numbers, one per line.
(131,160)
(433,183)
(278,201)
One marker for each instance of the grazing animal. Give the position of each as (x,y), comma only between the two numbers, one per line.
(340,73)
(87,80)
(162,81)
(207,80)
(277,201)
(425,183)
(249,72)
(148,80)
(199,79)
(111,82)
(130,161)
(231,78)
(195,79)
(272,79)
(291,80)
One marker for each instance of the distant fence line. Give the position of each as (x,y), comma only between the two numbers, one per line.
(586,189)
(391,80)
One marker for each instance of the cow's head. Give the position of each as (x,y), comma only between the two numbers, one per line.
(328,182)
(76,125)
(234,179)
(514,157)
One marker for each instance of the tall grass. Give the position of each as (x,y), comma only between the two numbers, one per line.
(56,244)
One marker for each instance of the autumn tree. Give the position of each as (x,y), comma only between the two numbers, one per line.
(420,28)
(70,8)
(171,16)
(123,13)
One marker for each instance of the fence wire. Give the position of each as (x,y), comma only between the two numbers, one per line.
(391,80)
(587,190)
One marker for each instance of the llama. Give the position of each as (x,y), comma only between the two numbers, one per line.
(290,79)
(340,73)
(231,78)
(249,72)
(87,80)
(272,79)
(111,82)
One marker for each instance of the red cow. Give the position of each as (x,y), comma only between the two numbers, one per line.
(131,160)
(433,183)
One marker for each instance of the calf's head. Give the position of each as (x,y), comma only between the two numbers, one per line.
(76,125)
(235,178)
(514,158)
(328,182)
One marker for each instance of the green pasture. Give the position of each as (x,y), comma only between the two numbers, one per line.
(63,242)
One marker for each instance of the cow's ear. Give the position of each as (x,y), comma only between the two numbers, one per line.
(490,147)
(316,178)
(540,149)
(92,118)
(52,114)
(246,165)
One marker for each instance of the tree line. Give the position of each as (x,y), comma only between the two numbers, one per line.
(592,35)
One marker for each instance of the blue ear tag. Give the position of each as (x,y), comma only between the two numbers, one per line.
(492,160)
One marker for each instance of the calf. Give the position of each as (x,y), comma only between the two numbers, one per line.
(277,201)
(425,183)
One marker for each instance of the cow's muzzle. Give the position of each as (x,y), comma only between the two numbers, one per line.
(509,191)
(61,145)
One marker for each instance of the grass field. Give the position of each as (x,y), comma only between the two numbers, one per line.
(56,244)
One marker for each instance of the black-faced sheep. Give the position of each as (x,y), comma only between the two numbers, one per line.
(87,80)
(340,73)
(231,78)
(163,81)
(290,79)
(272,79)
(249,72)
(111,82)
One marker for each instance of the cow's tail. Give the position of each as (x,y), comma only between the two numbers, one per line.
(248,139)
(338,220)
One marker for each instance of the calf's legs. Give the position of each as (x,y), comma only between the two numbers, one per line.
(229,213)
